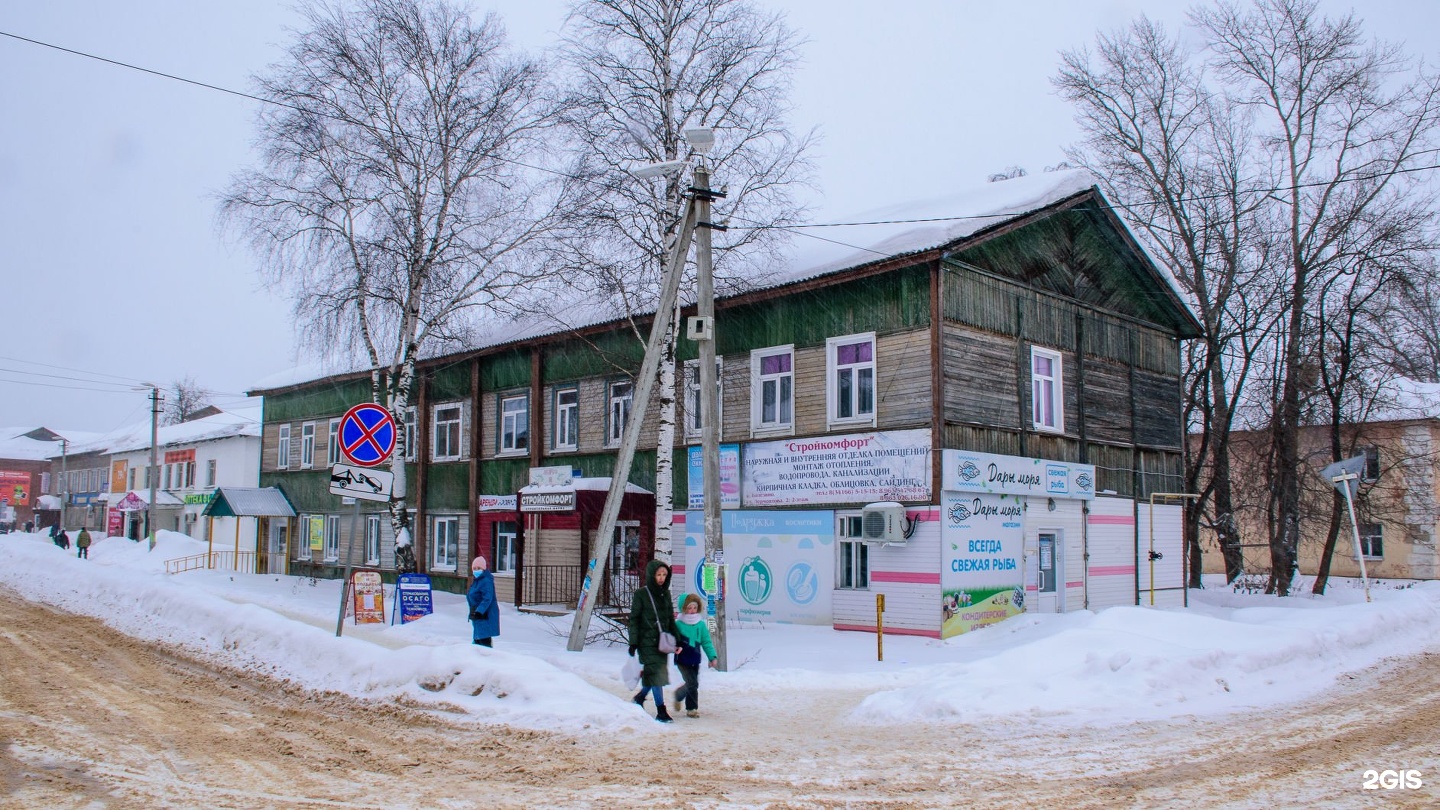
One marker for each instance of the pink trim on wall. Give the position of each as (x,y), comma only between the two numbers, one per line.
(1076,584)
(677,571)
(1112,570)
(919,577)
(1116,520)
(923,514)
(889,631)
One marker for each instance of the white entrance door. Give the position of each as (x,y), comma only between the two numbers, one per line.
(275,548)
(1050,574)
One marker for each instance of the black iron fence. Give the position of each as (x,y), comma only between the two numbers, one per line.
(560,585)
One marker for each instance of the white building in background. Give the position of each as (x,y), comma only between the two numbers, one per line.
(215,448)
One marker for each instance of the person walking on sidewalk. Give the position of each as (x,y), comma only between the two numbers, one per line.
(647,621)
(82,542)
(694,638)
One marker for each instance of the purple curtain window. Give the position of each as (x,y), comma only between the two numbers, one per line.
(851,353)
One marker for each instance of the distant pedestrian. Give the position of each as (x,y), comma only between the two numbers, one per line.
(82,542)
(63,540)
(55,533)
(648,621)
(484,610)
(694,638)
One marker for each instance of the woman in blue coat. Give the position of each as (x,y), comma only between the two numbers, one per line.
(484,610)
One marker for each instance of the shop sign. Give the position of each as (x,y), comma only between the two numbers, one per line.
(15,487)
(414,596)
(729,476)
(854,468)
(982,552)
(498,503)
(369,591)
(115,523)
(547,501)
(179,456)
(785,565)
(562,476)
(966,471)
(201,498)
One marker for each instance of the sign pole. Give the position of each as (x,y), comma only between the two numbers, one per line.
(349,553)
(1343,482)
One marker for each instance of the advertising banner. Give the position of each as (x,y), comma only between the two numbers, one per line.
(966,471)
(855,468)
(15,487)
(729,476)
(499,503)
(119,471)
(415,597)
(981,575)
(369,595)
(780,566)
(114,523)
(317,532)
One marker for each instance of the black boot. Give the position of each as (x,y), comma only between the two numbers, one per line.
(662,715)
(640,697)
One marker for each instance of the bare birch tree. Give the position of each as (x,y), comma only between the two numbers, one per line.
(186,397)
(643,71)
(1345,121)
(394,198)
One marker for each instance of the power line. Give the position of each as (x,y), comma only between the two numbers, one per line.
(76,370)
(70,387)
(61,377)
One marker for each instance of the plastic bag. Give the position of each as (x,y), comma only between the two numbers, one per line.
(630,673)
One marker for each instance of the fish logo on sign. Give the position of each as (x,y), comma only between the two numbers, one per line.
(367,435)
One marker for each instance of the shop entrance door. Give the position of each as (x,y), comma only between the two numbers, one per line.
(275,556)
(1050,574)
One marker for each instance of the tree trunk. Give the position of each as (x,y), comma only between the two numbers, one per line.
(665,450)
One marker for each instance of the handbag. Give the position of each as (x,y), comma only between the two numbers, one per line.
(667,640)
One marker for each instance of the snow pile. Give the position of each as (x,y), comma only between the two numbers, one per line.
(1228,652)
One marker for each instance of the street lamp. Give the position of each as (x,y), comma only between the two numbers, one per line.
(153,474)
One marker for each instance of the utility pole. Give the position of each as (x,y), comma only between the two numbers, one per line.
(154,475)
(709,400)
(64,479)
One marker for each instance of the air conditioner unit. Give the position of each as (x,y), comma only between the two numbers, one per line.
(883,522)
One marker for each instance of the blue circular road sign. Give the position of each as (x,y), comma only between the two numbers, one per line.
(367,435)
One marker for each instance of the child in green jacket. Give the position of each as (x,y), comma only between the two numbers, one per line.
(694,636)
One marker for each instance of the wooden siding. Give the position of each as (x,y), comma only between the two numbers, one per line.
(982,380)
(1157,410)
(1106,400)
(324,399)
(447,487)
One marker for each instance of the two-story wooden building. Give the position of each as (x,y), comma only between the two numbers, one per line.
(1003,364)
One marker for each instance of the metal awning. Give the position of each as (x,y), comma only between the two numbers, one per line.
(249,502)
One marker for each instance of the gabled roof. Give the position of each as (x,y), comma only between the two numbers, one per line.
(249,502)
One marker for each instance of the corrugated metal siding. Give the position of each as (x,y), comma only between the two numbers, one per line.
(1168,540)
(1111,528)
(894,571)
(1067,522)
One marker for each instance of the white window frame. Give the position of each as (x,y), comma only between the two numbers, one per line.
(566,418)
(759,381)
(691,376)
(834,373)
(302,546)
(282,449)
(332,446)
(618,410)
(514,419)
(1047,390)
(372,539)
(624,557)
(443,541)
(411,435)
(332,538)
(307,445)
(507,535)
(852,555)
(450,429)
(1369,538)
(212,472)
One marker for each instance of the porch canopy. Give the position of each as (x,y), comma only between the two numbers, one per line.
(137,500)
(249,502)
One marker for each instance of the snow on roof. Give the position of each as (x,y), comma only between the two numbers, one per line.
(1406,399)
(242,420)
(16,445)
(873,235)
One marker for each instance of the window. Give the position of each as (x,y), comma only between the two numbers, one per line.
(211,473)
(1047,390)
(693,425)
(332,443)
(282,454)
(850,379)
(132,478)
(506,533)
(445,534)
(307,445)
(447,433)
(567,418)
(853,572)
(307,526)
(1372,465)
(625,549)
(515,424)
(410,434)
(772,389)
(332,538)
(1372,541)
(372,539)
(622,396)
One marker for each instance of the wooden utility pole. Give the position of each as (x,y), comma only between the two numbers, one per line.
(709,401)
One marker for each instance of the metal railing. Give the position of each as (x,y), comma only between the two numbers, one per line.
(223,560)
(560,585)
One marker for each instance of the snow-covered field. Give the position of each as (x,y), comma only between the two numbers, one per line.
(1228,652)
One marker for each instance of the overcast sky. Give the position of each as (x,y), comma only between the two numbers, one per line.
(109,255)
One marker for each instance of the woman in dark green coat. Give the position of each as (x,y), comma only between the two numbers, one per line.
(651,611)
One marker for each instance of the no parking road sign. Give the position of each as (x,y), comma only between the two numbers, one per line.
(367,435)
